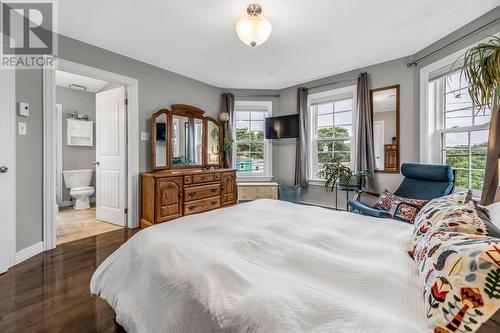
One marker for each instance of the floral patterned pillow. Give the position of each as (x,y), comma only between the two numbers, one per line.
(388,201)
(461,274)
(435,211)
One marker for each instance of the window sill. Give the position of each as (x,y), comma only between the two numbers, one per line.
(253,178)
(316,182)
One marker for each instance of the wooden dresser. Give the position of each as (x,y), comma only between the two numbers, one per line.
(169,194)
(390,157)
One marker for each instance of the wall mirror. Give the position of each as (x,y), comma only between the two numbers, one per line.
(159,137)
(385,115)
(187,141)
(213,142)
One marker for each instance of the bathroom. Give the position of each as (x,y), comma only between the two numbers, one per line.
(77,159)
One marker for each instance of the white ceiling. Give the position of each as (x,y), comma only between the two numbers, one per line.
(311,39)
(65,79)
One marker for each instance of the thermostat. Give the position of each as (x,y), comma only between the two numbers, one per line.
(23,109)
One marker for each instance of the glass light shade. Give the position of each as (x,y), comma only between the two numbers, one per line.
(223,116)
(253,30)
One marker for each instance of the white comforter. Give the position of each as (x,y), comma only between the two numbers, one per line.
(265,266)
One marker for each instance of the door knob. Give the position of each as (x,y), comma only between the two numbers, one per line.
(97,163)
(3,169)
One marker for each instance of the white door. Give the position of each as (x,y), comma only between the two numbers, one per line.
(59,157)
(111,156)
(378,144)
(7,139)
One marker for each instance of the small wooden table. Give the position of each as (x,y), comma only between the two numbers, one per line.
(252,190)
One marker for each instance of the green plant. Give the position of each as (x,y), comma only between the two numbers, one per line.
(335,172)
(226,145)
(482,70)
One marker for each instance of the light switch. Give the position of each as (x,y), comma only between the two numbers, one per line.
(23,109)
(21,128)
(144,136)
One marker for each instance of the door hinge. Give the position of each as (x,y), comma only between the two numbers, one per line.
(125,210)
(126,101)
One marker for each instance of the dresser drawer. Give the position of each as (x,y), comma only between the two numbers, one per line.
(203,205)
(204,178)
(201,192)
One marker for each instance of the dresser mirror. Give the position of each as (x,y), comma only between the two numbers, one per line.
(213,142)
(184,138)
(159,136)
(385,115)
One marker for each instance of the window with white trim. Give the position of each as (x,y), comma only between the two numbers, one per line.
(252,152)
(461,129)
(331,118)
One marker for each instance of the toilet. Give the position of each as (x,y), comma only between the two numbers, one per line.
(78,182)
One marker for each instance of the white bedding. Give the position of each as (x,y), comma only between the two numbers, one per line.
(265,266)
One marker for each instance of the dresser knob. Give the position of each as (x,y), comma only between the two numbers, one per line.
(192,193)
(214,190)
(192,207)
(214,203)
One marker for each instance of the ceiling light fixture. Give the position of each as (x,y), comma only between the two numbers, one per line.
(253,30)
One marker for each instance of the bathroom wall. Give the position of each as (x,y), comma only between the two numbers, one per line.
(76,157)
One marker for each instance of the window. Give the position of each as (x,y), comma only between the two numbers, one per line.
(462,130)
(331,120)
(252,151)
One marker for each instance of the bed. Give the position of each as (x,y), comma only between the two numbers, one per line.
(266,266)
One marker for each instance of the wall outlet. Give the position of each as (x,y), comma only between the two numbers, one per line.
(144,136)
(21,128)
(23,109)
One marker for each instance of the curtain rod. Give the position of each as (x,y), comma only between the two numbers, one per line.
(275,96)
(330,83)
(487,25)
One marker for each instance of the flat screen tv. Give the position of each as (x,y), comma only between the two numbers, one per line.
(282,127)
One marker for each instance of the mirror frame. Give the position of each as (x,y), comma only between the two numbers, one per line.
(155,116)
(205,162)
(398,135)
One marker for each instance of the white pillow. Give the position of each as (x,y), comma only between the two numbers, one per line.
(494,210)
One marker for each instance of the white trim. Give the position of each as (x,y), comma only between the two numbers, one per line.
(428,117)
(59,169)
(49,135)
(29,252)
(10,228)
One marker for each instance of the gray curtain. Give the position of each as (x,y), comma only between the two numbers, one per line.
(491,175)
(301,163)
(228,106)
(365,155)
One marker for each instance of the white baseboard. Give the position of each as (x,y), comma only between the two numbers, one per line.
(29,252)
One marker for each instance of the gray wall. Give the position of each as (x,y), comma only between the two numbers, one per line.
(76,157)
(158,88)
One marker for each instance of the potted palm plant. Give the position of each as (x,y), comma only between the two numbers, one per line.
(481,68)
(335,172)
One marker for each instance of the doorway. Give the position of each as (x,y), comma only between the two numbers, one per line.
(90,116)
(7,169)
(114,181)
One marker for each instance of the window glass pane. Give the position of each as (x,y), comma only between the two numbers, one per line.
(325,146)
(342,145)
(458,100)
(257,125)
(325,132)
(462,179)
(324,108)
(342,131)
(343,105)
(482,116)
(325,120)
(242,115)
(479,149)
(458,118)
(457,158)
(242,147)
(324,157)
(257,115)
(343,118)
(455,81)
(457,140)
(343,158)
(242,130)
(477,179)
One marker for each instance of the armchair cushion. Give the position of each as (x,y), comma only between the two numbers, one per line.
(425,181)
(361,207)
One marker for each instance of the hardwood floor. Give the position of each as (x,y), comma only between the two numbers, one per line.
(73,224)
(50,292)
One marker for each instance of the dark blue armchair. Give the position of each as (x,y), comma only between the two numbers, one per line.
(422,181)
